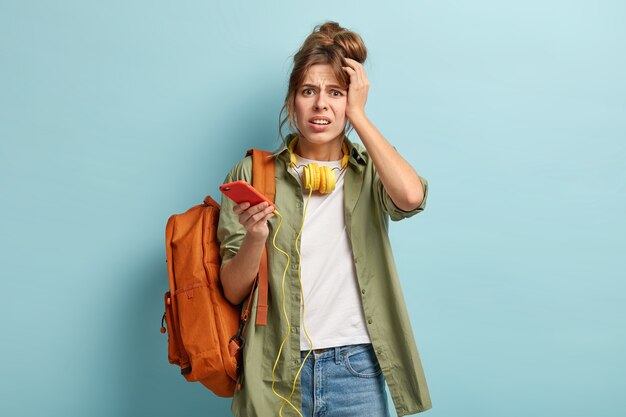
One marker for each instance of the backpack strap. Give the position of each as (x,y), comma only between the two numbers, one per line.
(263,179)
(263,173)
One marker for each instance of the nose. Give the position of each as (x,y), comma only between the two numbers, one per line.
(320,103)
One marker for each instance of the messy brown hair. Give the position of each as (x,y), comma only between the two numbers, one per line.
(329,43)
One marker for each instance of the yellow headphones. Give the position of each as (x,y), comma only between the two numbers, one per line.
(315,177)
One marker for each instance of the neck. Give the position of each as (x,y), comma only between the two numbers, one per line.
(330,151)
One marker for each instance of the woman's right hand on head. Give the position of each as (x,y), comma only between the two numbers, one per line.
(254,218)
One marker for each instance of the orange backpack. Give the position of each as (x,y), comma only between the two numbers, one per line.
(205,330)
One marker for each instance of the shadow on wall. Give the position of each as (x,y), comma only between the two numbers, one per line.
(150,386)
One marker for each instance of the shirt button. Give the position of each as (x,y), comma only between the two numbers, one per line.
(362,291)
(369,321)
(294,329)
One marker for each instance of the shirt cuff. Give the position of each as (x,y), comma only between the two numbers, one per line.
(396,213)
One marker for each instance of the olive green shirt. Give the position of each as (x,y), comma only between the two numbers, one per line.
(367,208)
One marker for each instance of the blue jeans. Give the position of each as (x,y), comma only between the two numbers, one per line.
(343,381)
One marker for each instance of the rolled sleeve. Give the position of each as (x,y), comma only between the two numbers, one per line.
(390,207)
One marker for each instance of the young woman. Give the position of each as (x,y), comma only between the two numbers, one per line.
(338,327)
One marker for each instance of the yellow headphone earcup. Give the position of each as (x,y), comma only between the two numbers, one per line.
(316,176)
(330,180)
(323,180)
(306,177)
(311,175)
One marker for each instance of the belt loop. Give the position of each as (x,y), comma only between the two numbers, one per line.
(337,353)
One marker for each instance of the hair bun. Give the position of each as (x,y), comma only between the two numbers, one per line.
(330,33)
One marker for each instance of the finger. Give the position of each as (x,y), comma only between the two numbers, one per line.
(266,218)
(259,207)
(363,76)
(254,219)
(240,208)
(251,211)
(351,74)
(355,78)
(350,61)
(360,72)
(257,226)
(357,67)
(258,211)
(354,64)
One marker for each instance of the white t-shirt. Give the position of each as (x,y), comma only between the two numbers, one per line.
(333,311)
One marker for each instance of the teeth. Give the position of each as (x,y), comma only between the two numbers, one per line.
(320,122)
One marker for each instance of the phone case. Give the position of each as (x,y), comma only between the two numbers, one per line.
(241,191)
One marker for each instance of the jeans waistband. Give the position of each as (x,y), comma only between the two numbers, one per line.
(335,352)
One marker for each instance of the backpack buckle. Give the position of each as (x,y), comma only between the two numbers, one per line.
(236,343)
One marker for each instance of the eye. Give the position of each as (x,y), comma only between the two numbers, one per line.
(307,91)
(336,93)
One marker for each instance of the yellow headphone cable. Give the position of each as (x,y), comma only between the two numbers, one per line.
(293,387)
(314,178)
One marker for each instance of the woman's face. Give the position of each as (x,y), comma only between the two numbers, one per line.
(320,106)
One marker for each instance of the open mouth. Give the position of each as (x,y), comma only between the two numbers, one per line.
(320,121)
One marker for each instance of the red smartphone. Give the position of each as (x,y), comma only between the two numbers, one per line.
(241,192)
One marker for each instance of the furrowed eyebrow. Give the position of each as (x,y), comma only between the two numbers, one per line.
(327,86)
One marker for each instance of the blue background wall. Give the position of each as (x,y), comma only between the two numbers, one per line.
(116,114)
